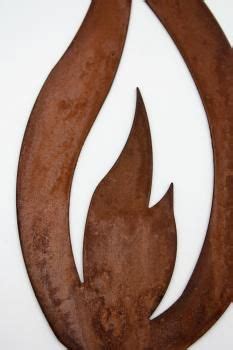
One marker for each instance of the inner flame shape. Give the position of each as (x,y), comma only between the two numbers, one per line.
(126,243)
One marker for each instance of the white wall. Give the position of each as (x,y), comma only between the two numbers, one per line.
(33,35)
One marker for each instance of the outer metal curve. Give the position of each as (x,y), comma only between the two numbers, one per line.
(210,60)
(60,121)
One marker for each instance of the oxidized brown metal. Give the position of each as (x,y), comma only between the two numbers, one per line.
(129,250)
(209,57)
(60,121)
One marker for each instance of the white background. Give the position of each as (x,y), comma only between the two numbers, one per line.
(33,36)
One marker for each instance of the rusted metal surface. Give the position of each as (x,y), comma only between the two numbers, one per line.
(209,57)
(60,121)
(129,249)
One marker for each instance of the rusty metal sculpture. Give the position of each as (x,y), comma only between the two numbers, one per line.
(129,250)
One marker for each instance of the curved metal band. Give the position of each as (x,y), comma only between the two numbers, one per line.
(60,121)
(209,57)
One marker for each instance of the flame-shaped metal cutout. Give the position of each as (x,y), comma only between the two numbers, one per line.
(129,249)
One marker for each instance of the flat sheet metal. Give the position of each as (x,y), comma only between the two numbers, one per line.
(129,249)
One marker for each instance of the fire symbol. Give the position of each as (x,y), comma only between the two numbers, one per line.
(124,279)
